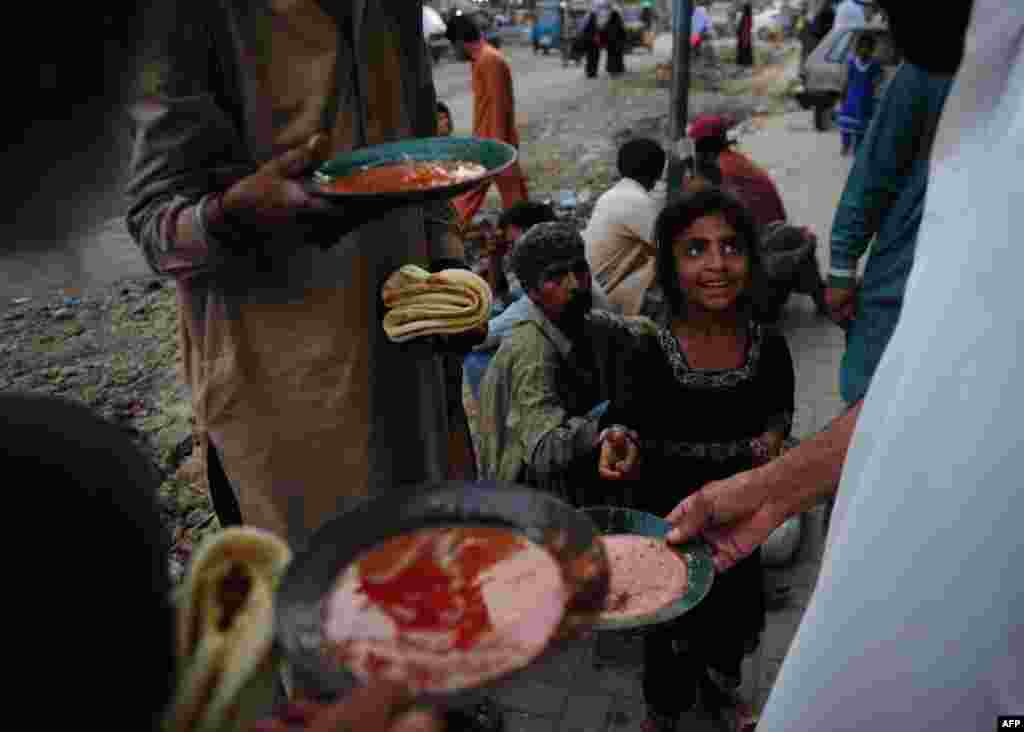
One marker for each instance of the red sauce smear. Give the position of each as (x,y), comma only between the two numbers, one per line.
(425,595)
(408,176)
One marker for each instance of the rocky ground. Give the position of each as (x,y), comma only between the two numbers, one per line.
(115,348)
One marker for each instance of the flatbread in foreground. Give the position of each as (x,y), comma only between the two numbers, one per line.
(421,304)
(227,666)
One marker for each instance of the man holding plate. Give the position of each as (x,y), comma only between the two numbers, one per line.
(302,404)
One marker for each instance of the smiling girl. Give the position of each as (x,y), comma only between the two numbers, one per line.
(711,396)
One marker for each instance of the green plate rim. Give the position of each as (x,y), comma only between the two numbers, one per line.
(420,148)
(696,554)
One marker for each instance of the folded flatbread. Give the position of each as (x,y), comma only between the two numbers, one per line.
(225,612)
(444,303)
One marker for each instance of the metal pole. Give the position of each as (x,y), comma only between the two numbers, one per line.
(682,25)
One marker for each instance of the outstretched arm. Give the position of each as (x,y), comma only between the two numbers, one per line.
(736,515)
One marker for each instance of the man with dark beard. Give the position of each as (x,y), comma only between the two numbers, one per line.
(552,369)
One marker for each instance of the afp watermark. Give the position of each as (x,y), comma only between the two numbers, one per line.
(1013,724)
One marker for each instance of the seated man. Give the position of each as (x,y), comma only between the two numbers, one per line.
(788,252)
(620,235)
(511,306)
(510,302)
(552,369)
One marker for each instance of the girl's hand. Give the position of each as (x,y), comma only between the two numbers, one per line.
(620,454)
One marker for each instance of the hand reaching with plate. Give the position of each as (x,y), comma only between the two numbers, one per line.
(734,516)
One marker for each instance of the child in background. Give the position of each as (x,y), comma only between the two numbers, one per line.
(863,76)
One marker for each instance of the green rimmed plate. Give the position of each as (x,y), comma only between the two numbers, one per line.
(700,570)
(494,156)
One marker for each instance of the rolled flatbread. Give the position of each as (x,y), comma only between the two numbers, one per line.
(444,303)
(225,613)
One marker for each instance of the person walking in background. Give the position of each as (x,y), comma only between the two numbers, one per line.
(603,28)
(494,113)
(700,28)
(863,78)
(745,37)
(615,38)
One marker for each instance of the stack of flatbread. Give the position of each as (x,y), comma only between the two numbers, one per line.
(445,303)
(227,663)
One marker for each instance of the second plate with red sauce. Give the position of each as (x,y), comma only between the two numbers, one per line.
(449,588)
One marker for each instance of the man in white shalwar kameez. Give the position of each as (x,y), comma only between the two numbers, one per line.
(917,620)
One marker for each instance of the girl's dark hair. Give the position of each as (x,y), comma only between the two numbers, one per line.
(679,215)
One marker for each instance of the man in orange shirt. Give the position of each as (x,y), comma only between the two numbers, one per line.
(493,113)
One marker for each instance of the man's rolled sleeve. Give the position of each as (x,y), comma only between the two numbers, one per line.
(185,148)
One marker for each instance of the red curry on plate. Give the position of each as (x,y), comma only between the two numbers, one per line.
(405,176)
(443,609)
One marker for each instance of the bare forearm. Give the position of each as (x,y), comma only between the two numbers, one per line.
(805,475)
